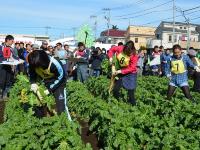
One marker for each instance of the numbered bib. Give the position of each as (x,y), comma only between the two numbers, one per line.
(44,74)
(6,52)
(123,60)
(177,67)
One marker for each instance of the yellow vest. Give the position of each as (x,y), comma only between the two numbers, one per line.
(123,60)
(45,73)
(177,66)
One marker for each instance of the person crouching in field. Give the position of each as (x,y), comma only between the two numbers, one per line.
(51,73)
(179,73)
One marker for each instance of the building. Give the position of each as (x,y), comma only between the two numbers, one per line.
(115,36)
(32,39)
(198,30)
(140,35)
(164,34)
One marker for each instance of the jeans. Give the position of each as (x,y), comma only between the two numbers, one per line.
(95,72)
(82,72)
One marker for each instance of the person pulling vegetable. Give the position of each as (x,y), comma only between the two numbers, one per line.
(124,66)
(179,73)
(52,74)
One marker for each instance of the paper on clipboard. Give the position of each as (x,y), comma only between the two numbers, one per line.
(155,61)
(12,62)
(73,59)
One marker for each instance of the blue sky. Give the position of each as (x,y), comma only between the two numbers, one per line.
(31,16)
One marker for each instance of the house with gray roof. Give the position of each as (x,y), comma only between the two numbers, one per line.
(164,35)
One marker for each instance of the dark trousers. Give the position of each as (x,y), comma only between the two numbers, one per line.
(185,89)
(82,72)
(60,97)
(6,79)
(116,92)
(196,77)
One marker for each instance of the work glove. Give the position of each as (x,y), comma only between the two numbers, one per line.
(46,92)
(197,69)
(168,75)
(117,72)
(34,87)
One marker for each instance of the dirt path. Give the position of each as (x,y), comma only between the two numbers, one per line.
(2,106)
(87,136)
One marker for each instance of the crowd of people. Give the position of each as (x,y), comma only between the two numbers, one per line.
(55,65)
(176,64)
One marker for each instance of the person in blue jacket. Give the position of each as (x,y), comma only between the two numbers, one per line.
(179,73)
(165,62)
(51,72)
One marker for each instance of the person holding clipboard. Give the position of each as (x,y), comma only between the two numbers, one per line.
(7,74)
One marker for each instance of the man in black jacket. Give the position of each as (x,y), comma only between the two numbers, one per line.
(95,61)
(7,74)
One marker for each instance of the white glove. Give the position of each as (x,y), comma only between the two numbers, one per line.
(117,72)
(78,57)
(34,87)
(197,69)
(46,92)
(169,75)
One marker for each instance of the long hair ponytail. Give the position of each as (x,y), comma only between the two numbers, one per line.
(129,48)
(38,58)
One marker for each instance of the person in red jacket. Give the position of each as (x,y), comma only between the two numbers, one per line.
(124,59)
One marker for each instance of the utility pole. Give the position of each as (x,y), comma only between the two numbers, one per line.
(174,13)
(187,20)
(95,25)
(108,22)
(188,31)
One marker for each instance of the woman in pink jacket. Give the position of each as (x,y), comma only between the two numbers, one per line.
(124,59)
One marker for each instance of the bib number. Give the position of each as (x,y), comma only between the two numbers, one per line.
(123,60)
(177,67)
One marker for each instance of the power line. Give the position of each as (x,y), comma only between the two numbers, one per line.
(195,18)
(192,9)
(128,6)
(144,14)
(145,9)
(166,19)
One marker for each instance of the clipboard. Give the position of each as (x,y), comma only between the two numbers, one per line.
(12,62)
(73,59)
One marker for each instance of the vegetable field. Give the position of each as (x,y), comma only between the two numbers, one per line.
(155,123)
(22,130)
